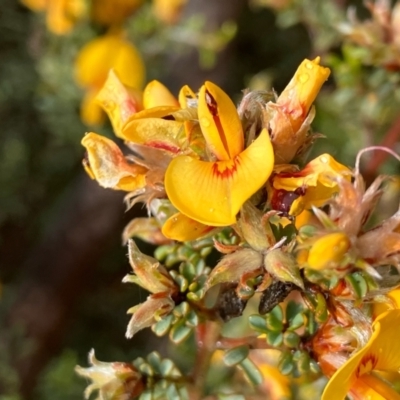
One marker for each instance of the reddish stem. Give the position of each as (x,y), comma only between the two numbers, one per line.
(390,139)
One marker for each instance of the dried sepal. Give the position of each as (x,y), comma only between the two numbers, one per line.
(146,314)
(148,272)
(254,229)
(283,266)
(234,265)
(146,229)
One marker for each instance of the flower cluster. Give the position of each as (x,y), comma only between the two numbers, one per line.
(293,236)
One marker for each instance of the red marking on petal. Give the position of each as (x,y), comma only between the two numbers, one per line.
(307,170)
(228,171)
(163,146)
(367,364)
(213,108)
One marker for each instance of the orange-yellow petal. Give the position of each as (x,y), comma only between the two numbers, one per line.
(119,101)
(182,228)
(156,94)
(213,192)
(107,52)
(220,122)
(106,163)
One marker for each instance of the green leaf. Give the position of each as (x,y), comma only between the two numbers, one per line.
(172,393)
(357,284)
(314,367)
(274,319)
(146,395)
(258,323)
(293,309)
(181,310)
(274,338)
(165,367)
(303,363)
(188,271)
(321,309)
(236,355)
(192,319)
(296,322)
(146,369)
(161,327)
(307,231)
(251,371)
(285,363)
(291,339)
(179,333)
(154,359)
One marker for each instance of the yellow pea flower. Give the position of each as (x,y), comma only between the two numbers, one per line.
(359,376)
(292,108)
(314,185)
(212,192)
(106,163)
(61,15)
(96,59)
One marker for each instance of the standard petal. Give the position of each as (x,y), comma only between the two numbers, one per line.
(387,344)
(213,192)
(106,163)
(182,228)
(220,122)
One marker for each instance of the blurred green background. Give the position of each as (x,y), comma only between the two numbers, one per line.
(61,258)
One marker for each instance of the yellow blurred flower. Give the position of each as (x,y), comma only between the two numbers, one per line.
(113,12)
(96,59)
(168,11)
(61,15)
(359,375)
(212,192)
